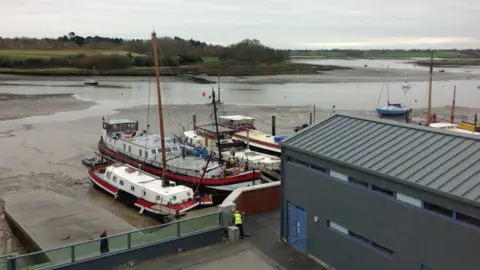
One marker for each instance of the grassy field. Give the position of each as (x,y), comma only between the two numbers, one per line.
(450,62)
(45,54)
(379,54)
(211,66)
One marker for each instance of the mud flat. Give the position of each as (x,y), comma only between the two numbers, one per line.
(45,220)
(15,106)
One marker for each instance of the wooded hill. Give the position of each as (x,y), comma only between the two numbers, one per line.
(77,51)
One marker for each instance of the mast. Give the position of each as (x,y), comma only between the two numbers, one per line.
(429,112)
(216,126)
(165,182)
(219,88)
(452,114)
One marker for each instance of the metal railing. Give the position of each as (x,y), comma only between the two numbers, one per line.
(121,242)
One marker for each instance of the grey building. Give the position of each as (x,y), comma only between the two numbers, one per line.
(361,193)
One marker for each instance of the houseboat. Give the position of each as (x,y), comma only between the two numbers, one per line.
(145,191)
(245,131)
(122,141)
(204,138)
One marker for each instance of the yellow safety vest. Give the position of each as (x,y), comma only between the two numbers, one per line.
(238,218)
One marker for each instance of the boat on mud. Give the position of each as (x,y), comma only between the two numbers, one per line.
(246,131)
(204,139)
(162,156)
(134,187)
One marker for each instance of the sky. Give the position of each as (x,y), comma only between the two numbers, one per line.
(283,24)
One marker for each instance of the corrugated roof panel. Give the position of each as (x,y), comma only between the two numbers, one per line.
(460,188)
(418,169)
(474,193)
(345,152)
(437,165)
(345,139)
(437,178)
(364,142)
(323,139)
(434,158)
(405,141)
(426,153)
(410,150)
(372,155)
(458,175)
(313,132)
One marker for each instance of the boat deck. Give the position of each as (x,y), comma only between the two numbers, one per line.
(194,164)
(47,220)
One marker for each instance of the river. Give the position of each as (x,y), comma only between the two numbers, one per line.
(365,96)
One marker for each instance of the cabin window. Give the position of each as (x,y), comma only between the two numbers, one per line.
(121,182)
(157,198)
(109,174)
(174,198)
(146,154)
(140,152)
(132,188)
(114,179)
(144,193)
(154,151)
(130,148)
(124,147)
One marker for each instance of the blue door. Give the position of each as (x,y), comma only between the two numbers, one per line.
(297,227)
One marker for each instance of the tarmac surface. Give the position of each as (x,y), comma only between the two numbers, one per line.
(217,257)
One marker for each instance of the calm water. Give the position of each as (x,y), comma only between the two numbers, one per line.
(345,96)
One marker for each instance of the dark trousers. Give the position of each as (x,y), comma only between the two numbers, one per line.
(240,228)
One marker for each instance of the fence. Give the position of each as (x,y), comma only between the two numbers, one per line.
(117,243)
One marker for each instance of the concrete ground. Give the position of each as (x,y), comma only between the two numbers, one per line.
(217,257)
(52,220)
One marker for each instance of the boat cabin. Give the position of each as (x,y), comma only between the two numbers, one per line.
(237,122)
(206,136)
(146,186)
(122,136)
(120,126)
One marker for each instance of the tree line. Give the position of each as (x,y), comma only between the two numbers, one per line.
(174,51)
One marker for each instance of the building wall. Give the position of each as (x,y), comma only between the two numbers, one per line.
(415,235)
(259,200)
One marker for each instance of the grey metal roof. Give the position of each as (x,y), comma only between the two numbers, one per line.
(437,159)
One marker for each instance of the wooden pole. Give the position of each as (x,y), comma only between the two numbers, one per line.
(452,114)
(160,111)
(429,110)
(273,125)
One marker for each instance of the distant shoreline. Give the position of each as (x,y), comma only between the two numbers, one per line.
(193,70)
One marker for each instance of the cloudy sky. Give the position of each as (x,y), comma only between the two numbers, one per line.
(312,24)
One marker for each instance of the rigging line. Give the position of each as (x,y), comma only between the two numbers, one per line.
(381,91)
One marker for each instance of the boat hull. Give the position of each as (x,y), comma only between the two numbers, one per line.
(219,188)
(391,112)
(139,202)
